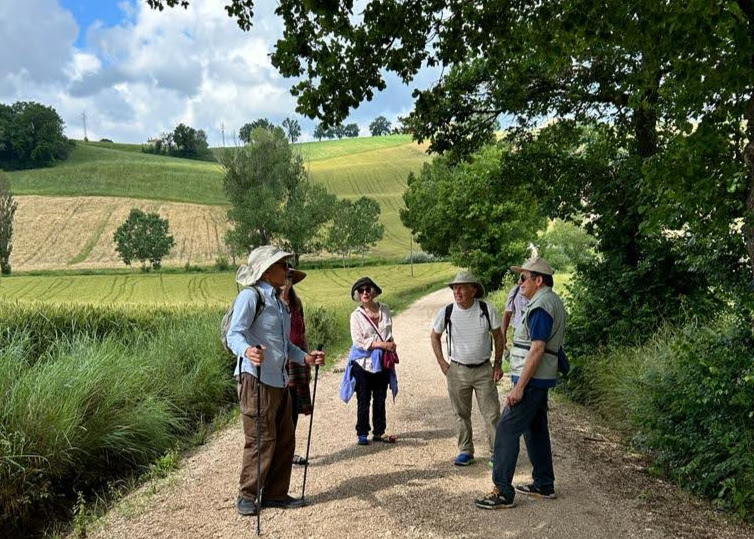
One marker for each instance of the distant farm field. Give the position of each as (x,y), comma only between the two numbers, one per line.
(58,228)
(77,232)
(326,288)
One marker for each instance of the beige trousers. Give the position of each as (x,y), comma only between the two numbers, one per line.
(462,381)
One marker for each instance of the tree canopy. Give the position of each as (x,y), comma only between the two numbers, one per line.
(143,237)
(272,199)
(245,132)
(379,126)
(31,135)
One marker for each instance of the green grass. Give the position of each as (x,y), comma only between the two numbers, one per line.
(376,167)
(324,287)
(97,169)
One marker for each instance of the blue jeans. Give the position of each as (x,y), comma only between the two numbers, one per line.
(528,417)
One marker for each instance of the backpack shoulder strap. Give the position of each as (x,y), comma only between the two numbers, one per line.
(486,312)
(448,312)
(260,302)
(448,339)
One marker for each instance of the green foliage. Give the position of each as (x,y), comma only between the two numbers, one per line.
(380,126)
(326,326)
(94,405)
(355,227)
(184,142)
(565,245)
(479,213)
(688,390)
(31,135)
(271,195)
(245,132)
(8,206)
(143,237)
(292,129)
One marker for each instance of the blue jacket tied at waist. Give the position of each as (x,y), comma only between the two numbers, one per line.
(348,384)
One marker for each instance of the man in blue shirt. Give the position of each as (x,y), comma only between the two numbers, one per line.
(259,336)
(534,367)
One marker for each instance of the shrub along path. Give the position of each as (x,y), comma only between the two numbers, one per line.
(411,489)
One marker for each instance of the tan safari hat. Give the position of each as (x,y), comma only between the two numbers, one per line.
(466,277)
(537,265)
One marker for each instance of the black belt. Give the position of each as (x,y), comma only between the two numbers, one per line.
(473,365)
(527,347)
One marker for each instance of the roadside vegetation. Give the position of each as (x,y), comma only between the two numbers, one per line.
(93,392)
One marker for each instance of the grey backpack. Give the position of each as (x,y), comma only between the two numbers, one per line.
(225,323)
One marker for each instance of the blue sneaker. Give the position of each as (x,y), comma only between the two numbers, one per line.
(363,439)
(464,459)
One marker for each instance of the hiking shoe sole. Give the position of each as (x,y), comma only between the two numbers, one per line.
(529,490)
(486,504)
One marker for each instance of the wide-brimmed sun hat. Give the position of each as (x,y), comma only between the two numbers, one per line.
(365,281)
(259,261)
(297,276)
(466,277)
(537,265)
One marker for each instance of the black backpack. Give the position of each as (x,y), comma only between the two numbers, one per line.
(449,311)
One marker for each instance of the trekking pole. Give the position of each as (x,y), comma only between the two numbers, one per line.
(259,448)
(311,420)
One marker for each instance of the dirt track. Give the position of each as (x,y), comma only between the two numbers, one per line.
(411,489)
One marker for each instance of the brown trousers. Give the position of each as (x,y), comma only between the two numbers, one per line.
(277,440)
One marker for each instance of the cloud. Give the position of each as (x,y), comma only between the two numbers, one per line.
(153,70)
(37,38)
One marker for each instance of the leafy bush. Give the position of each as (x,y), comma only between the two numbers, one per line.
(325,326)
(420,257)
(688,391)
(222,263)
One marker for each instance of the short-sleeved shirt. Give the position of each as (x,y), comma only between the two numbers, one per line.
(516,303)
(470,341)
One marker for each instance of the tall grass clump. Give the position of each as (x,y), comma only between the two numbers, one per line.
(687,395)
(94,407)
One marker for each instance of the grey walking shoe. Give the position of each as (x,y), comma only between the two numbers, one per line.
(531,490)
(494,500)
(246,507)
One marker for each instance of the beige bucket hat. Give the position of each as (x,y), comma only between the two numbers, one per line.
(466,277)
(537,265)
(259,261)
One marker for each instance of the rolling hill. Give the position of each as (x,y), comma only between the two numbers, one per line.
(67,214)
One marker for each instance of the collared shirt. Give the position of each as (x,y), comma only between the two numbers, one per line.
(363,333)
(271,329)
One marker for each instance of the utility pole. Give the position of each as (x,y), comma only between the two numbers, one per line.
(83,117)
(222,130)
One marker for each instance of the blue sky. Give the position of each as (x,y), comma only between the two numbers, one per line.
(86,12)
(137,73)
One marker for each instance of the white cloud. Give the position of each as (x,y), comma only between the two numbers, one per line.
(154,70)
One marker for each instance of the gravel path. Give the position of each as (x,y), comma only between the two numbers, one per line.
(411,489)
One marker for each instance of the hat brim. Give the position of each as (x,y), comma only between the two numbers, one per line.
(246,276)
(298,276)
(479,288)
(517,269)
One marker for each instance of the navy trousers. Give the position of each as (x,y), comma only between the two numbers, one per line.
(528,417)
(371,388)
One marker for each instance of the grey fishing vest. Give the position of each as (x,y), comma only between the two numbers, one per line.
(548,368)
